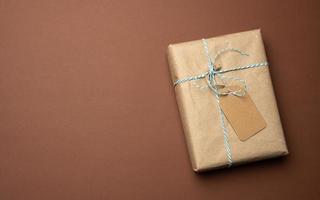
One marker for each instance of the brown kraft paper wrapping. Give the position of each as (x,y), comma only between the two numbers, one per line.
(199,110)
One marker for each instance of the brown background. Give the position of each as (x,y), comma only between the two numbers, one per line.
(87,110)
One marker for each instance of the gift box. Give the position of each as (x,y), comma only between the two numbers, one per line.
(226,100)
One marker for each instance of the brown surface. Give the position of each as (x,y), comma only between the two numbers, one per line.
(87,110)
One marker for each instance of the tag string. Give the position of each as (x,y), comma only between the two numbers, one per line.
(215,74)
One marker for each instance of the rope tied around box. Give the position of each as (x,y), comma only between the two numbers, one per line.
(214,74)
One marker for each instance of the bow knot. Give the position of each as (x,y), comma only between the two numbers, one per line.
(212,71)
(222,85)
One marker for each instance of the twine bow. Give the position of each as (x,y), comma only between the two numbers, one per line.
(219,85)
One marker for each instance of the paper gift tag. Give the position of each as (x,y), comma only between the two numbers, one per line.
(243,115)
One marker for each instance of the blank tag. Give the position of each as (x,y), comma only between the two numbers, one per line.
(243,115)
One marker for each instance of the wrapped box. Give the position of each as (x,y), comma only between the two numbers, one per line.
(212,144)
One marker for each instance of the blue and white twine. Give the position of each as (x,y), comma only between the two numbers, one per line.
(214,73)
